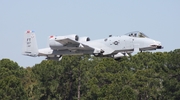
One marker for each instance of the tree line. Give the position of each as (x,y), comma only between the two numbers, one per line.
(144,76)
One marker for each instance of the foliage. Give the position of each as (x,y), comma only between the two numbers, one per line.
(144,76)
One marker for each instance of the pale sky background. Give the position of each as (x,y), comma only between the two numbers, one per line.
(158,19)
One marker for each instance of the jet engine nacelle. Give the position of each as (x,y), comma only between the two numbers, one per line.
(53,44)
(84,39)
(73,37)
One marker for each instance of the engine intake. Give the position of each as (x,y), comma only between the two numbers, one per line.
(84,39)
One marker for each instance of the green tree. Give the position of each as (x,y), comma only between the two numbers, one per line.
(171,80)
(11,86)
(109,80)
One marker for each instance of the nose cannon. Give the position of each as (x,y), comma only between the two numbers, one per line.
(157,45)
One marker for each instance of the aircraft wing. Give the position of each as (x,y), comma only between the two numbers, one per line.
(68,42)
(72,43)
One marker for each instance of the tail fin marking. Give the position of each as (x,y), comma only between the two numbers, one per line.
(30,47)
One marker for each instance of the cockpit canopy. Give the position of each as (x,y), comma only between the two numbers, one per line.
(137,34)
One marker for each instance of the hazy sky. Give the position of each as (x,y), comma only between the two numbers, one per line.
(158,19)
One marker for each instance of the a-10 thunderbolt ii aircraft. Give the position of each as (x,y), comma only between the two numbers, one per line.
(112,46)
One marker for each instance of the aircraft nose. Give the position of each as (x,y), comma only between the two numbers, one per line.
(157,44)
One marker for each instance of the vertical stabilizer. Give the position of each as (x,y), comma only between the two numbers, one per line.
(29,44)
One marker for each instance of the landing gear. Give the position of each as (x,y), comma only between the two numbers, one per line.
(55,57)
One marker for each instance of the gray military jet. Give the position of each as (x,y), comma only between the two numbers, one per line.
(112,46)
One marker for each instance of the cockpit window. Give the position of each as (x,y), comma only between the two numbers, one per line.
(137,34)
